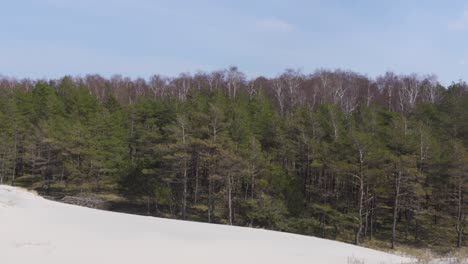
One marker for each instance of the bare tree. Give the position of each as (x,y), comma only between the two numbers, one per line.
(292,80)
(409,92)
(97,84)
(183,127)
(404,177)
(158,85)
(215,80)
(388,86)
(234,79)
(182,84)
(431,89)
(459,182)
(278,89)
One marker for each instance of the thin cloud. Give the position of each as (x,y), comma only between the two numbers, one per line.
(274,25)
(459,24)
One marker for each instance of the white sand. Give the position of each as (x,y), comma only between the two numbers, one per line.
(36,230)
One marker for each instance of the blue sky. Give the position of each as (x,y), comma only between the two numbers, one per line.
(137,38)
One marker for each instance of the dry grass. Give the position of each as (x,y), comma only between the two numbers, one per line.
(354,260)
(422,255)
(459,256)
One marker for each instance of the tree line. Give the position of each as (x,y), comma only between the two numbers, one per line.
(333,154)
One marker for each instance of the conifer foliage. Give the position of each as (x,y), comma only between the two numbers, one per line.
(332,154)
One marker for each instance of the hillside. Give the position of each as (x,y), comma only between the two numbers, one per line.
(36,230)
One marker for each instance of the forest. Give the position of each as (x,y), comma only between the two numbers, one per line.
(334,153)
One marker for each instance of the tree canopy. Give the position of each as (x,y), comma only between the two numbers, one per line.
(332,154)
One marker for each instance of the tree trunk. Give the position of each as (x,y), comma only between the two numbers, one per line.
(252,187)
(184,199)
(13,174)
(230,198)
(366,225)
(460,215)
(3,168)
(359,229)
(361,198)
(148,205)
(395,206)
(210,199)
(195,198)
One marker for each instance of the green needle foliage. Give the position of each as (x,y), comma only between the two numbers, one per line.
(333,154)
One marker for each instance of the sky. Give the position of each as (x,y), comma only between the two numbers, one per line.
(138,38)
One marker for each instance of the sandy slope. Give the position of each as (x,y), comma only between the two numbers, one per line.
(35,230)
